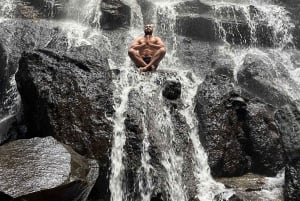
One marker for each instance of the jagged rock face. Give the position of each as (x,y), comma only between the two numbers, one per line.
(68,97)
(289,125)
(115,14)
(294,8)
(44,169)
(16,37)
(262,78)
(237,131)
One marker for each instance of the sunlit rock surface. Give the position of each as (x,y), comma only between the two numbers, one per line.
(44,169)
(68,97)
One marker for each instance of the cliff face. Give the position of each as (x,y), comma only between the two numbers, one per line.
(70,83)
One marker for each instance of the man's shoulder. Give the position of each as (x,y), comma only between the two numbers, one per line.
(140,38)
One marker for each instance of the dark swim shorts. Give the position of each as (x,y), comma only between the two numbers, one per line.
(147,59)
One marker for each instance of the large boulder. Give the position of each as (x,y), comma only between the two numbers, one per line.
(237,131)
(44,169)
(17,36)
(267,80)
(115,14)
(69,97)
(289,125)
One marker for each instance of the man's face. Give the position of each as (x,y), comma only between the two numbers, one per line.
(148,29)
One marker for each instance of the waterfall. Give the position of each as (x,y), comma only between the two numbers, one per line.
(268,25)
(146,87)
(82,28)
(7,8)
(84,11)
(271,20)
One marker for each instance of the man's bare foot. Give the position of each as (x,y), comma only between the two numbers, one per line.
(147,68)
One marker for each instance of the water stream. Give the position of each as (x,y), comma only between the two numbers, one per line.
(82,27)
(263,20)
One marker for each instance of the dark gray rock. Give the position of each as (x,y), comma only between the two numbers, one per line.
(288,121)
(44,169)
(237,131)
(115,14)
(60,91)
(262,79)
(172,90)
(207,22)
(294,8)
(17,36)
(69,96)
(5,197)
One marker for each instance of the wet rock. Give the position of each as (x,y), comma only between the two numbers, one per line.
(210,22)
(294,8)
(115,14)
(5,125)
(17,36)
(234,197)
(5,197)
(69,97)
(237,131)
(44,169)
(261,78)
(252,187)
(288,121)
(64,91)
(147,125)
(42,9)
(192,26)
(172,90)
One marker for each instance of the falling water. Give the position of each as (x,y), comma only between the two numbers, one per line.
(7,8)
(266,22)
(171,160)
(128,79)
(85,11)
(260,19)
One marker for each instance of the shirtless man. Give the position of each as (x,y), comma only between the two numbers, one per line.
(147,51)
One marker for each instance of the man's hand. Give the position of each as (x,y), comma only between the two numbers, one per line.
(147,68)
(138,47)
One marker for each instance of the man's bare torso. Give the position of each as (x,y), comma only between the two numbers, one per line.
(147,50)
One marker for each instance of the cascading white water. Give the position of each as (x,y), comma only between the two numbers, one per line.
(207,188)
(88,12)
(85,11)
(126,82)
(277,27)
(276,19)
(171,160)
(7,8)
(256,15)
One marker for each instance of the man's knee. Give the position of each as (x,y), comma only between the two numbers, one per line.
(131,52)
(162,51)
